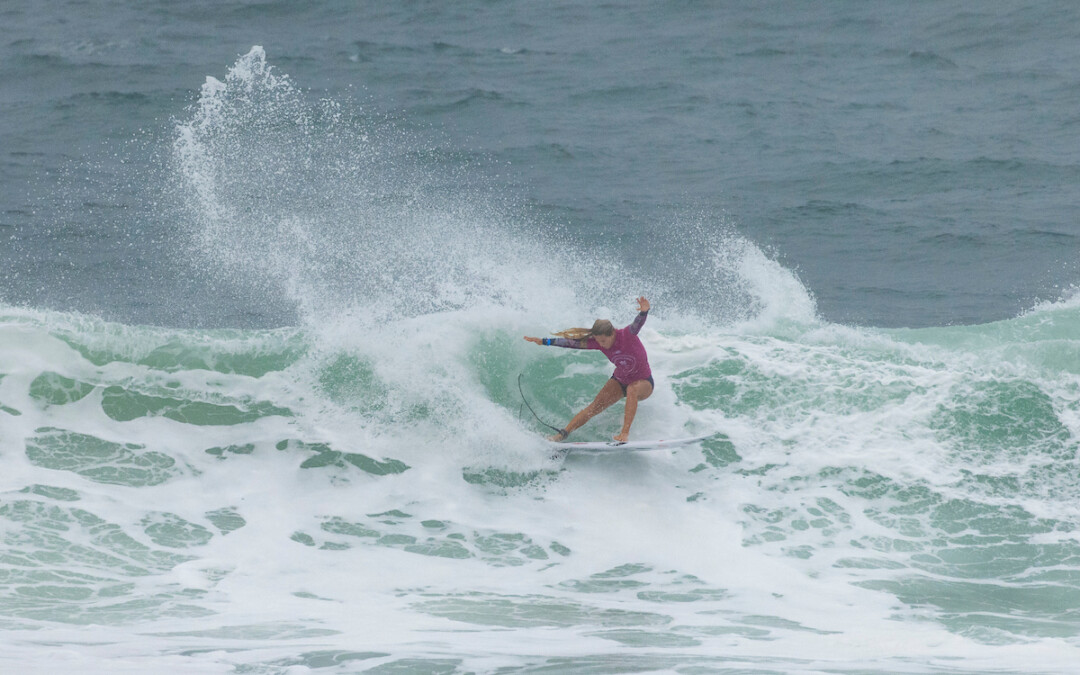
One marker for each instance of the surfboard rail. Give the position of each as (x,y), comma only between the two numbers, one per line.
(616,446)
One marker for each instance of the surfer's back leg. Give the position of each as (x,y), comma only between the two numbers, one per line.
(609,394)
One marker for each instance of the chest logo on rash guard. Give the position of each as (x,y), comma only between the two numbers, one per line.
(625,362)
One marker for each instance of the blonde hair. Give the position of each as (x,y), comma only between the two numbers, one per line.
(599,327)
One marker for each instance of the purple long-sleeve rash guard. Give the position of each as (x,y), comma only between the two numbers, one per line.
(627,352)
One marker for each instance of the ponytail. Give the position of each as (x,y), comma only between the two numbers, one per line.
(599,327)
(575,333)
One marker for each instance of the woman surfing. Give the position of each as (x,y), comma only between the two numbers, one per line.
(632,377)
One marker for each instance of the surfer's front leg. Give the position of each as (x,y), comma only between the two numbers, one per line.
(638,391)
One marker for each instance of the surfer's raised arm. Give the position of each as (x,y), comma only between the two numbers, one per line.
(643,313)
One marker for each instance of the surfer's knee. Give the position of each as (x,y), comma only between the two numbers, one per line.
(639,390)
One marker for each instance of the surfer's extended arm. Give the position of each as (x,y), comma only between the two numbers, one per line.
(560,342)
(565,342)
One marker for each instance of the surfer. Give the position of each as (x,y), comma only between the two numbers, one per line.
(632,377)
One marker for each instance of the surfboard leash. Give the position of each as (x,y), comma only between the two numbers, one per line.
(526,402)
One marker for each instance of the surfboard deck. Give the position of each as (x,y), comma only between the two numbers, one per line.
(615,446)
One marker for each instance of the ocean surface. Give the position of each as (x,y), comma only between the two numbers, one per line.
(265,269)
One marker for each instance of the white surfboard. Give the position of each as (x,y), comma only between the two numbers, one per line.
(615,446)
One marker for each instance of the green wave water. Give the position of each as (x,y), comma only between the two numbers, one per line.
(254,500)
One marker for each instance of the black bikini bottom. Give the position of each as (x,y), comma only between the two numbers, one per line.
(649,378)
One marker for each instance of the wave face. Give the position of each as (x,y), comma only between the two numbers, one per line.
(361,491)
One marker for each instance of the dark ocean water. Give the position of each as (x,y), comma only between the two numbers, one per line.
(265,268)
(916,165)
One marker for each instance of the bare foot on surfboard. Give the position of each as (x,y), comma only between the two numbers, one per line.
(622,438)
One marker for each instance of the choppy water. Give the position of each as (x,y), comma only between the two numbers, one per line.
(262,308)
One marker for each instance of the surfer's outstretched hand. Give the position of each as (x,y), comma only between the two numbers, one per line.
(642,304)
(533,340)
